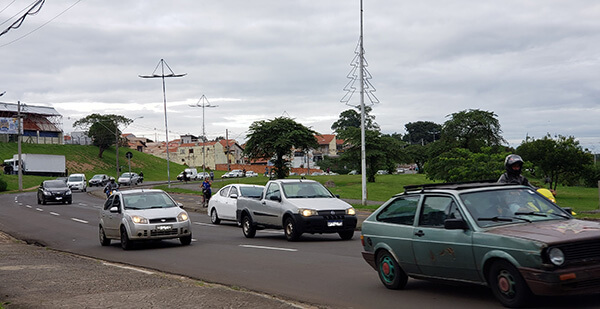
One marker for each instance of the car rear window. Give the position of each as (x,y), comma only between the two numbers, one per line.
(251,191)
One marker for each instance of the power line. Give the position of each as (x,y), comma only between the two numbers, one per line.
(42,25)
(6,7)
(32,11)
(19,13)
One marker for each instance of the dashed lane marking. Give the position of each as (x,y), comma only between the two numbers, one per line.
(54,214)
(39,209)
(269,248)
(79,220)
(205,224)
(28,206)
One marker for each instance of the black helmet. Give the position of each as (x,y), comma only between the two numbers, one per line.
(511,160)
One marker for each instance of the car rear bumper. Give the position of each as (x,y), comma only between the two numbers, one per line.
(160,231)
(569,281)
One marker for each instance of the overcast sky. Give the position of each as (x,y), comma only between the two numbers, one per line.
(536,64)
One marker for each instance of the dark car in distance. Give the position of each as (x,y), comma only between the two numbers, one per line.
(99,180)
(54,191)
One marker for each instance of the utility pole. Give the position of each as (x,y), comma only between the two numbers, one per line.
(227,154)
(204,105)
(162,65)
(19,163)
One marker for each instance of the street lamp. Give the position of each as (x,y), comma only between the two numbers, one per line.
(162,65)
(204,105)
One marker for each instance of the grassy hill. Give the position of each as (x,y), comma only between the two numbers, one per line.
(84,159)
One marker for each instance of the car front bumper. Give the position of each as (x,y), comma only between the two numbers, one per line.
(321,224)
(58,198)
(568,281)
(160,230)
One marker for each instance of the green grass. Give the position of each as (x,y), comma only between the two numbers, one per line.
(84,159)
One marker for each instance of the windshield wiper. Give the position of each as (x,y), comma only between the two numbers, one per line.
(531,213)
(560,215)
(502,219)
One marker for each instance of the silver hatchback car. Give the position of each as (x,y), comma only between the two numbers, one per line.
(143,214)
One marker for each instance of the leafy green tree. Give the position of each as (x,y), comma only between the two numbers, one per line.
(351,119)
(422,132)
(562,160)
(102,129)
(417,154)
(472,129)
(275,139)
(461,164)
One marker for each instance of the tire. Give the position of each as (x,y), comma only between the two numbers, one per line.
(214,217)
(390,273)
(38,200)
(43,201)
(508,285)
(291,230)
(69,202)
(346,235)
(186,240)
(248,228)
(84,189)
(103,240)
(126,243)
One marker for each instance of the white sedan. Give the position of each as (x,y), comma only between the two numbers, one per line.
(223,204)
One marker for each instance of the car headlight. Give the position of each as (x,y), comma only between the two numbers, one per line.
(139,220)
(351,211)
(47,193)
(308,212)
(557,257)
(182,217)
(68,192)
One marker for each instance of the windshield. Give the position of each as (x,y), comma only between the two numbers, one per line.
(251,191)
(497,207)
(55,184)
(305,190)
(127,175)
(75,178)
(97,177)
(147,200)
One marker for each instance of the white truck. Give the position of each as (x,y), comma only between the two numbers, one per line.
(39,164)
(297,206)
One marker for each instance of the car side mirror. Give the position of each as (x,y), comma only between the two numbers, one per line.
(179,204)
(114,209)
(275,198)
(233,196)
(337,195)
(455,224)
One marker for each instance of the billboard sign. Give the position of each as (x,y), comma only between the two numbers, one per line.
(9,125)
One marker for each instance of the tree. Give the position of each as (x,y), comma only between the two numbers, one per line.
(422,132)
(350,118)
(103,129)
(418,154)
(562,160)
(461,164)
(472,129)
(275,140)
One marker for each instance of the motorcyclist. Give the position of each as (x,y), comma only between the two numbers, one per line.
(514,164)
(111,186)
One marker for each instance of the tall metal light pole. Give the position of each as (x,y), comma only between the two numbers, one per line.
(203,102)
(162,65)
(19,133)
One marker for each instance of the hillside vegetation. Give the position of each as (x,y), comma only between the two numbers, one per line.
(84,159)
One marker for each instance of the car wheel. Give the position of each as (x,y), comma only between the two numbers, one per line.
(247,227)
(346,235)
(214,218)
(291,232)
(508,285)
(103,240)
(126,243)
(84,189)
(38,200)
(390,273)
(43,201)
(69,201)
(186,240)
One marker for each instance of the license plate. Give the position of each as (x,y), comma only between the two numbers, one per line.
(163,227)
(59,198)
(334,223)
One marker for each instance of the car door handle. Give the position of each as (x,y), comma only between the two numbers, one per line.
(420,233)
(263,202)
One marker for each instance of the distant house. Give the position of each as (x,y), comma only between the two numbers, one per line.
(78,138)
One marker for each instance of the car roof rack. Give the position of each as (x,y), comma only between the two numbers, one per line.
(453,185)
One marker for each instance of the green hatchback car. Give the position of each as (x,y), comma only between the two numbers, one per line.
(508,237)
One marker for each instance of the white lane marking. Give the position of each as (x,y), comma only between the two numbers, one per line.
(28,206)
(269,231)
(130,268)
(269,248)
(39,209)
(205,224)
(79,220)
(54,214)
(83,204)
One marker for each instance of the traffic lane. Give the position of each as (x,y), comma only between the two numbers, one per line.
(330,275)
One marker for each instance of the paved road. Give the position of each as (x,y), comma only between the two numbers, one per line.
(320,269)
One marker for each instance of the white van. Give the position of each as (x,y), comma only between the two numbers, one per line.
(77,182)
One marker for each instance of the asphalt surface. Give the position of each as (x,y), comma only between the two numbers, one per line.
(32,276)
